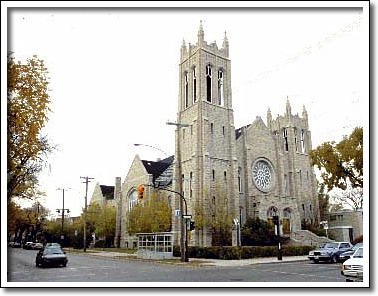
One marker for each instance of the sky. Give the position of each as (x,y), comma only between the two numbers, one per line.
(114,78)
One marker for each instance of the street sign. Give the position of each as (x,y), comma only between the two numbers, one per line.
(177,212)
(187,216)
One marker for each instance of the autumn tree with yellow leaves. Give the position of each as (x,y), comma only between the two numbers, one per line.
(27,109)
(150,215)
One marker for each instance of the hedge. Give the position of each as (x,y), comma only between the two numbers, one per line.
(235,253)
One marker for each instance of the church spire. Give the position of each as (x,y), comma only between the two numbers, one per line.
(269,118)
(288,107)
(183,49)
(225,44)
(305,116)
(201,34)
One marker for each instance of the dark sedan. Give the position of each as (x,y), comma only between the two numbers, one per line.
(51,256)
(346,255)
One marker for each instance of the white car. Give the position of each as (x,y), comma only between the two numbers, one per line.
(353,268)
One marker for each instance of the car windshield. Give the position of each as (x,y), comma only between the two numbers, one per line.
(49,251)
(332,245)
(355,247)
(358,253)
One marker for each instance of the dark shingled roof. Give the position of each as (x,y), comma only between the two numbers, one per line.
(239,131)
(107,191)
(156,168)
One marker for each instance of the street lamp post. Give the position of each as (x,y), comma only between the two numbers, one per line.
(184,232)
(151,147)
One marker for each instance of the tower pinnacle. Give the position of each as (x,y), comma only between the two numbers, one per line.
(201,34)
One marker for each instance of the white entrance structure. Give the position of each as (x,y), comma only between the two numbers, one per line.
(155,245)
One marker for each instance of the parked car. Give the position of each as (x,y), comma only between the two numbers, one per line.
(38,246)
(28,246)
(16,245)
(53,245)
(330,252)
(347,254)
(10,244)
(353,268)
(51,256)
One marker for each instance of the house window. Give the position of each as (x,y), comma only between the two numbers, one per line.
(208,83)
(220,87)
(223,130)
(186,90)
(194,86)
(212,128)
(286,144)
(303,141)
(225,176)
(213,175)
(295,139)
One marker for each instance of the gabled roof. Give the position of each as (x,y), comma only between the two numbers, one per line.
(107,191)
(156,168)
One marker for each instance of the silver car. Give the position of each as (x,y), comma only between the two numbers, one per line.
(329,252)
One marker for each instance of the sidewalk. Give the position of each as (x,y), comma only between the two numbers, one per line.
(206,262)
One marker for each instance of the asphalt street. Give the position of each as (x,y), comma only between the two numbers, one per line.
(84,268)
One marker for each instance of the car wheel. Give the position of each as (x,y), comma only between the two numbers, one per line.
(64,264)
(36,264)
(316,261)
(334,259)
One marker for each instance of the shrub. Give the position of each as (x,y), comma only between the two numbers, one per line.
(358,240)
(244,252)
(257,232)
(100,244)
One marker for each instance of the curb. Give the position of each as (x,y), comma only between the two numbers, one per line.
(197,263)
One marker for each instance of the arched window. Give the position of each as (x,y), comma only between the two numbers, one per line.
(287,213)
(132,200)
(303,141)
(272,211)
(220,87)
(194,94)
(186,90)
(286,144)
(208,83)
(239,179)
(286,225)
(295,139)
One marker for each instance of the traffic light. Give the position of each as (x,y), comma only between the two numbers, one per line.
(140,192)
(191,227)
(275,220)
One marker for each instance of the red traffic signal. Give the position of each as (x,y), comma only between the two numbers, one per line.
(140,192)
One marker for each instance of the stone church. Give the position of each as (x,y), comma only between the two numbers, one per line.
(262,170)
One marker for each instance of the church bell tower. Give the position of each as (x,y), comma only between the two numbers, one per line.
(206,164)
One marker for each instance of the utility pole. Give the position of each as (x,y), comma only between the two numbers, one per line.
(85,210)
(63,209)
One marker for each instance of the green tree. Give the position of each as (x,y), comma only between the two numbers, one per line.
(341,163)
(324,202)
(27,108)
(152,215)
(218,219)
(104,221)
